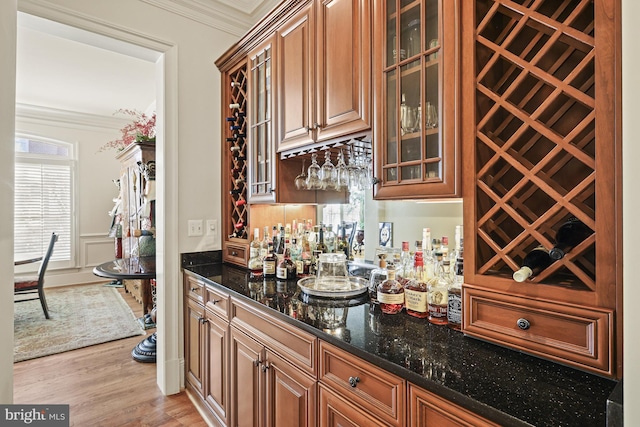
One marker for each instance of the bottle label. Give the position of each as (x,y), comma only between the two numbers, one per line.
(269,267)
(299,267)
(415,300)
(281,272)
(454,309)
(254,252)
(263,253)
(384,298)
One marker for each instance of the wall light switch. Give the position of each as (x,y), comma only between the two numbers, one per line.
(212,227)
(194,227)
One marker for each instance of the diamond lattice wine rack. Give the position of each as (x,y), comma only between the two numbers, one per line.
(237,220)
(535,139)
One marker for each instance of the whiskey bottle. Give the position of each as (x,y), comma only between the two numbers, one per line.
(255,260)
(570,234)
(437,293)
(415,291)
(321,246)
(391,294)
(269,262)
(264,245)
(534,262)
(286,269)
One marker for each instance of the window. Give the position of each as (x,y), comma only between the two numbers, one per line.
(43,198)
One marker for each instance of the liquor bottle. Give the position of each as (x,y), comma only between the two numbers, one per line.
(570,234)
(437,299)
(427,253)
(533,263)
(255,260)
(330,239)
(264,245)
(454,306)
(286,268)
(343,245)
(274,237)
(281,244)
(458,243)
(269,262)
(295,249)
(416,290)
(406,262)
(444,247)
(321,246)
(391,294)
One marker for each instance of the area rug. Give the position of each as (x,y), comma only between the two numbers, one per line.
(81,316)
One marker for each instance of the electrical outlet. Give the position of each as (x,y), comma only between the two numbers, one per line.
(212,227)
(195,227)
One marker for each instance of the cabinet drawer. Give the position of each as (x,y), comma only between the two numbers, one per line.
(377,391)
(578,336)
(194,289)
(290,342)
(217,301)
(236,254)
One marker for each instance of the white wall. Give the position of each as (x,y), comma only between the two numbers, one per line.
(94,190)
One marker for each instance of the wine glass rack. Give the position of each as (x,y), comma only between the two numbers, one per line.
(236,149)
(535,139)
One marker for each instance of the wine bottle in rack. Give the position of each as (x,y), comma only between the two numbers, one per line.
(239,135)
(234,106)
(232,139)
(235,149)
(533,263)
(231,119)
(570,234)
(241,202)
(235,191)
(235,127)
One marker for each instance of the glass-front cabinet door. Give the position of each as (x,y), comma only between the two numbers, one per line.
(261,153)
(416,67)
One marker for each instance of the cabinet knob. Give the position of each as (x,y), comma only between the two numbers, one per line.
(523,324)
(234,253)
(354,381)
(256,362)
(264,368)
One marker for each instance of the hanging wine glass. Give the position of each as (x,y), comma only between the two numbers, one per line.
(342,173)
(301,180)
(313,174)
(328,173)
(353,170)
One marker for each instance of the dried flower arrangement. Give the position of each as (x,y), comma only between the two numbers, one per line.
(142,129)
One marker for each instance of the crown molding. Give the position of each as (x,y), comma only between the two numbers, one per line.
(70,119)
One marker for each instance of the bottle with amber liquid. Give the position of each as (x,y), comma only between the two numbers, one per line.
(438,289)
(269,263)
(286,268)
(415,291)
(391,294)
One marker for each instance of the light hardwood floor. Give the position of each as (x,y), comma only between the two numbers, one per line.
(104,386)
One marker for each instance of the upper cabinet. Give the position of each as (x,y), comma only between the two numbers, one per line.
(416,72)
(541,135)
(324,73)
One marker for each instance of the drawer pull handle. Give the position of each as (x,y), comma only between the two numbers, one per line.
(234,253)
(354,381)
(215,301)
(523,324)
(194,289)
(264,368)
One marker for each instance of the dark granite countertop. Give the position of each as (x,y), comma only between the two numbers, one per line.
(505,386)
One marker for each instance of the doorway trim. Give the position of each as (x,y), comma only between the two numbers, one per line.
(168,360)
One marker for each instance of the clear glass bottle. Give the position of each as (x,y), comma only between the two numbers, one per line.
(416,290)
(391,294)
(330,239)
(264,245)
(255,260)
(437,297)
(406,262)
(454,306)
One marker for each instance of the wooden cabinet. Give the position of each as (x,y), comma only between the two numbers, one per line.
(267,390)
(324,73)
(273,376)
(364,387)
(417,78)
(207,347)
(429,410)
(542,145)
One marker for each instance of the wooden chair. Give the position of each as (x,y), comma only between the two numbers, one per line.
(35,284)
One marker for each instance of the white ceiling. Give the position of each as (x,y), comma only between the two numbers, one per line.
(65,68)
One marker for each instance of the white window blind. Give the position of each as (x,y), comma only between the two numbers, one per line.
(43,205)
